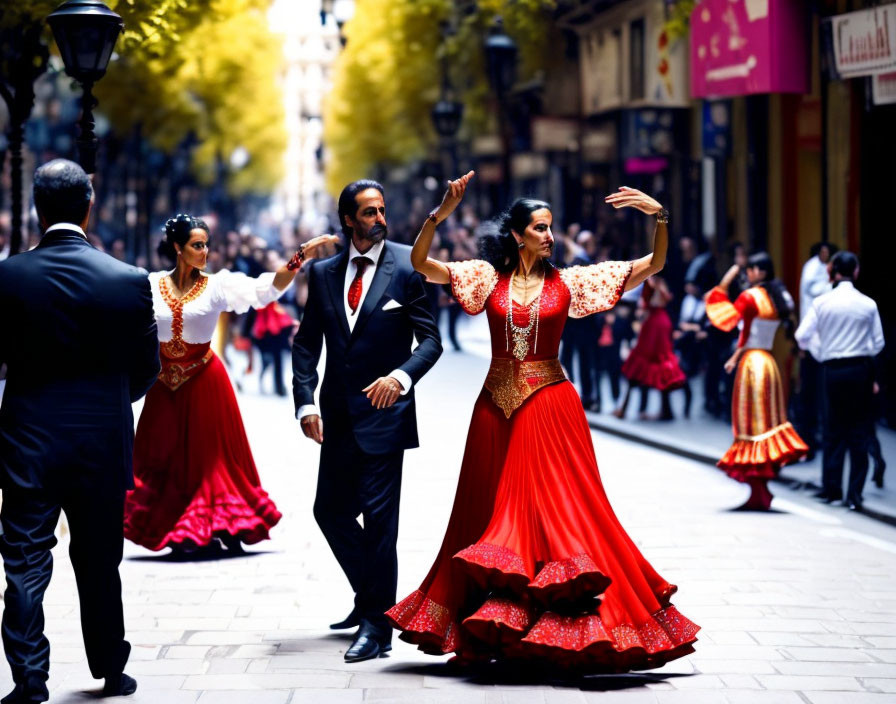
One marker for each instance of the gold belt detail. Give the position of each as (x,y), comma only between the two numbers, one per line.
(511,382)
(174,375)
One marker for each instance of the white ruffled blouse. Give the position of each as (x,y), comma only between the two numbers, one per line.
(220,292)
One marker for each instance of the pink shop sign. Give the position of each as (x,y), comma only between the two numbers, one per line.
(742,47)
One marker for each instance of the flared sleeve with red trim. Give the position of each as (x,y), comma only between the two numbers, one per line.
(472,282)
(725,315)
(595,288)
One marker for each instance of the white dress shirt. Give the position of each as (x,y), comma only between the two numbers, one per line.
(66,226)
(814,281)
(841,324)
(373,254)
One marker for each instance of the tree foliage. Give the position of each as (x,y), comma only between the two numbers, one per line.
(388,77)
(203,67)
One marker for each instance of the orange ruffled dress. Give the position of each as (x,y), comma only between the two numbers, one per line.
(764,440)
(534,563)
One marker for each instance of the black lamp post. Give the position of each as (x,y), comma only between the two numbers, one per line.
(500,65)
(446,117)
(86,32)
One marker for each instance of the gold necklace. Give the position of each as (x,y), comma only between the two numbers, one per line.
(520,335)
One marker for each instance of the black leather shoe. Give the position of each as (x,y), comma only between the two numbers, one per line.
(878,477)
(826,497)
(119,686)
(853,505)
(351,621)
(368,644)
(32,691)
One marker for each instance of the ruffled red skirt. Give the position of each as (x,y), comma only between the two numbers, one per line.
(764,440)
(534,563)
(193,470)
(652,362)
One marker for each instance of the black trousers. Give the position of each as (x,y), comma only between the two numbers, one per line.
(29,518)
(848,417)
(352,483)
(809,406)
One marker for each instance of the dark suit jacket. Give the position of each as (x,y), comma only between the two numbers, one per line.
(78,335)
(380,343)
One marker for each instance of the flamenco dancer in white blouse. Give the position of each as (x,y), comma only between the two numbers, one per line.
(195,479)
(534,564)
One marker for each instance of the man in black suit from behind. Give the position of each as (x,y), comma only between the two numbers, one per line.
(79,340)
(369,304)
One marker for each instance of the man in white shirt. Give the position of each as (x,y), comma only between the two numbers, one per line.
(843,329)
(814,281)
(369,305)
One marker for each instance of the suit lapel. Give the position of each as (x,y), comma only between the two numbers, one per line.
(381,278)
(335,285)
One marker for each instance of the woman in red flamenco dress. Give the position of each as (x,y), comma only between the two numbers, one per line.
(195,479)
(652,363)
(534,564)
(764,440)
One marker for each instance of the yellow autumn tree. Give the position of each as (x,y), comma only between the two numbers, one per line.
(388,77)
(209,69)
(203,67)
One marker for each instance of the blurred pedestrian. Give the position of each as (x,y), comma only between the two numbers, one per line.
(652,363)
(271,331)
(80,342)
(764,440)
(843,331)
(690,337)
(814,281)
(196,481)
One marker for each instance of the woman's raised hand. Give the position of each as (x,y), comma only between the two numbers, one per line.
(311,247)
(453,195)
(627,197)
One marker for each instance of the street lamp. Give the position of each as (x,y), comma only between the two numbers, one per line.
(446,117)
(86,32)
(500,59)
(500,65)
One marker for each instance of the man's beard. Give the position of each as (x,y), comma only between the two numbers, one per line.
(376,234)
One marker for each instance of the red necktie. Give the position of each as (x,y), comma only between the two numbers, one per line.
(355,288)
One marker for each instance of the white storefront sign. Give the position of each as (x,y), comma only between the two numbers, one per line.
(865,41)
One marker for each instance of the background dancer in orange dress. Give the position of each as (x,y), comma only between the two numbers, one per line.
(764,440)
(534,563)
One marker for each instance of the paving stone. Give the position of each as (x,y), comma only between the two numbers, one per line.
(270,697)
(839,698)
(828,654)
(808,682)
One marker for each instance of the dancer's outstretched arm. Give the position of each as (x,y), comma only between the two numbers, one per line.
(435,271)
(654,262)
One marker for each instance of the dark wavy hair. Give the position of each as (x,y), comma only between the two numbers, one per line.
(348,205)
(775,287)
(177,230)
(497,245)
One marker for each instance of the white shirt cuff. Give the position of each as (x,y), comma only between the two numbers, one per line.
(402,378)
(309,409)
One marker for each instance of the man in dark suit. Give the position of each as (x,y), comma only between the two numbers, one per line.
(79,340)
(369,304)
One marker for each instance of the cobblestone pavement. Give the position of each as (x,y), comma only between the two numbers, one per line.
(796,606)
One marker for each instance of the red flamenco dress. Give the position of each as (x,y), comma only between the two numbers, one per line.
(534,563)
(764,440)
(195,479)
(652,362)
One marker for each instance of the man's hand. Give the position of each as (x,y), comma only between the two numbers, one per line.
(383,392)
(313,427)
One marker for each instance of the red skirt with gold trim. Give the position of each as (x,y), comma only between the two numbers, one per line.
(193,470)
(534,563)
(764,440)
